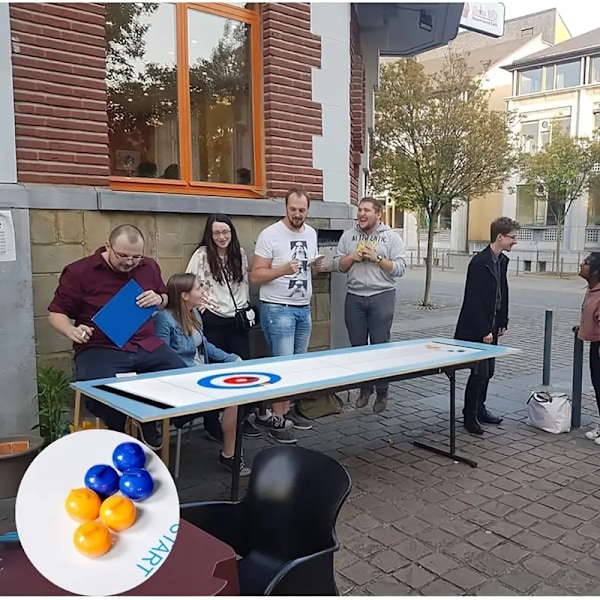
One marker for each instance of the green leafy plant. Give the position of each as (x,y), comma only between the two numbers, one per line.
(53,398)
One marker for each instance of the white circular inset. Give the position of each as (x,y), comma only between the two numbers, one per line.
(239,380)
(46,530)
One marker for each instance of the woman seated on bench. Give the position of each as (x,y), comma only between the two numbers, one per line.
(179,325)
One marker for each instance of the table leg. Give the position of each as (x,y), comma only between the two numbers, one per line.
(237,457)
(164,453)
(77,411)
(452,453)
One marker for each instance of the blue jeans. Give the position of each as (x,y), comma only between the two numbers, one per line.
(286,328)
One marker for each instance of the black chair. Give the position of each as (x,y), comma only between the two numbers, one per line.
(284,528)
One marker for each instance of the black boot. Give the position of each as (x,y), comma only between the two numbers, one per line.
(485,416)
(472,425)
(472,394)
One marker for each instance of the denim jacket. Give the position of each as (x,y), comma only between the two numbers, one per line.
(168,330)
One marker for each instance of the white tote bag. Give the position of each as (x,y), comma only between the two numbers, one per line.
(550,411)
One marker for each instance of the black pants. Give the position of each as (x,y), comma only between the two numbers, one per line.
(595,370)
(477,385)
(100,363)
(224,334)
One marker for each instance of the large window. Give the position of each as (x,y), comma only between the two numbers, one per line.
(534,209)
(536,134)
(551,77)
(595,69)
(183,85)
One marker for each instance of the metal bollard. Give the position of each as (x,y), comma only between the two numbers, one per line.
(577,387)
(547,348)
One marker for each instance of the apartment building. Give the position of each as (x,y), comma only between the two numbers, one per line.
(561,82)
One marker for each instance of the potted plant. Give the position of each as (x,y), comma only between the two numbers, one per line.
(53,400)
(17,451)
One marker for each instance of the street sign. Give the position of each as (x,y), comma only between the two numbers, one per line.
(484,17)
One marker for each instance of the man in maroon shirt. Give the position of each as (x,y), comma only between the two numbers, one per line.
(85,286)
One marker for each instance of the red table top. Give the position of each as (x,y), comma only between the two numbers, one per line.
(198,565)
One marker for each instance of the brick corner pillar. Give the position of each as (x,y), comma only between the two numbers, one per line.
(291,116)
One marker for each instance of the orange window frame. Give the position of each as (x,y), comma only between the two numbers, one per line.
(185,185)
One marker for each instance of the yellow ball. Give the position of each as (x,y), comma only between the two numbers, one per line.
(83,504)
(118,513)
(92,539)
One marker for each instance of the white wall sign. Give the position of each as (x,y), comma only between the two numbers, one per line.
(7,237)
(484,17)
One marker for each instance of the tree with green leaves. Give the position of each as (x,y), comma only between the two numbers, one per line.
(559,173)
(437,142)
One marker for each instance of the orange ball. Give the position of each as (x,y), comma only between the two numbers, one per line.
(92,539)
(118,513)
(83,504)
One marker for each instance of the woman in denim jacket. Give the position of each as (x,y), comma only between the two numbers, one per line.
(179,325)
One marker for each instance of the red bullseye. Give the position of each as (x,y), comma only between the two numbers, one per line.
(240,380)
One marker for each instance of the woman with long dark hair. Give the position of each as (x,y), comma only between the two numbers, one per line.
(221,265)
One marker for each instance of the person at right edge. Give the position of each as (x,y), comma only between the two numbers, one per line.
(372,255)
(589,328)
(484,316)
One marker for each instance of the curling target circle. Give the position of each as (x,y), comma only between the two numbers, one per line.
(238,381)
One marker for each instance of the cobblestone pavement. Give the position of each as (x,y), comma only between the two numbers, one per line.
(526,521)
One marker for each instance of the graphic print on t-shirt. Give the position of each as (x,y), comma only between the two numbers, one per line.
(298,285)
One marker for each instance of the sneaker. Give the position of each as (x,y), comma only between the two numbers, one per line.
(298,422)
(250,431)
(229,462)
(283,436)
(380,403)
(274,422)
(363,399)
(593,433)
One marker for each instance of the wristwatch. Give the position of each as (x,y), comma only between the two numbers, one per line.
(379,258)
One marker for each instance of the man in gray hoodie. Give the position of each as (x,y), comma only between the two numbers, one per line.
(372,254)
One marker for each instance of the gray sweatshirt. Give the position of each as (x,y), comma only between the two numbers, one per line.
(368,278)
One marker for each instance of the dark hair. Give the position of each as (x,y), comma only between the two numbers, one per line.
(502,226)
(299,192)
(171,172)
(177,285)
(594,261)
(132,233)
(244,176)
(376,204)
(233,256)
(146,169)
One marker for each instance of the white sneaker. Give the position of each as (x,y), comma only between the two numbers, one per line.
(593,433)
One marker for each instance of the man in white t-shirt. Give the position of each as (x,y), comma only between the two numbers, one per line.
(281,267)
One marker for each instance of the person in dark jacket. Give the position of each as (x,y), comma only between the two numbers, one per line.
(484,316)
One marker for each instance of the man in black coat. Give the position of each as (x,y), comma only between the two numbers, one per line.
(484,316)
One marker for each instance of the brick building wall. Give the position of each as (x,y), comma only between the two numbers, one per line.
(357,108)
(59,92)
(290,115)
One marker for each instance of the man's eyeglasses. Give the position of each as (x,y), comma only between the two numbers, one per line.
(122,256)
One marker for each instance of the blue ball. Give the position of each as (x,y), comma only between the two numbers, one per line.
(128,455)
(136,484)
(102,479)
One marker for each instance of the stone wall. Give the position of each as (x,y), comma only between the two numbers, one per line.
(59,237)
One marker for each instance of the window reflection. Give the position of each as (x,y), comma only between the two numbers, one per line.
(220,99)
(142,90)
(595,70)
(531,81)
(568,74)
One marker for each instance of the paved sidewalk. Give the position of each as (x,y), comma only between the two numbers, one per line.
(526,521)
